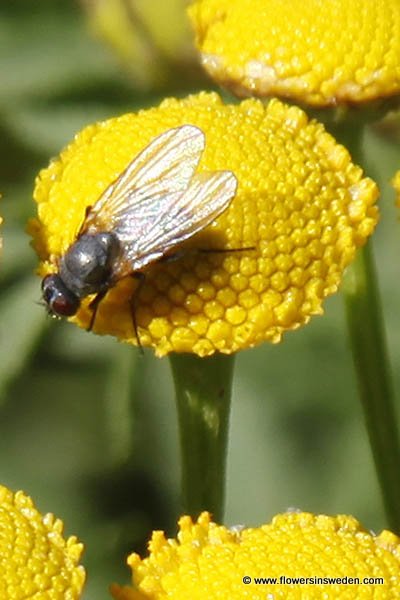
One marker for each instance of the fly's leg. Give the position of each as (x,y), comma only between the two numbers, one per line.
(224,250)
(140,278)
(94,304)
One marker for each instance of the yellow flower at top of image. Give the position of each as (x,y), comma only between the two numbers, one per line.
(300,212)
(36,561)
(315,53)
(207,560)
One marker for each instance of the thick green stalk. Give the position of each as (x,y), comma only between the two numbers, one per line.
(119,408)
(203,392)
(372,365)
(369,348)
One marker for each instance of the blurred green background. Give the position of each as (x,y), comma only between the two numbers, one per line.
(87,426)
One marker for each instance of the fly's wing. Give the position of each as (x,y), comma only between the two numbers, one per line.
(172,218)
(164,168)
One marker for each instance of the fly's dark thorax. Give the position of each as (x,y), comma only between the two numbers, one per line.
(87,267)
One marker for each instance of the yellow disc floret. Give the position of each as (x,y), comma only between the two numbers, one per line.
(317,53)
(301,210)
(35,560)
(298,556)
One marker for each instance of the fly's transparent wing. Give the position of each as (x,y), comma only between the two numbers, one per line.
(171,219)
(164,168)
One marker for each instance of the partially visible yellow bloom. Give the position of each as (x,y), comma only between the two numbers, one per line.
(396,185)
(301,203)
(210,561)
(35,560)
(316,53)
(151,53)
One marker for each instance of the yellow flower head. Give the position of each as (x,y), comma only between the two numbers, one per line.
(35,560)
(316,53)
(210,561)
(301,205)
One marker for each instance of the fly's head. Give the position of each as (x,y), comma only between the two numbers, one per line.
(60,301)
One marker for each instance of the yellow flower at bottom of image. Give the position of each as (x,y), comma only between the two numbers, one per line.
(335,558)
(263,267)
(36,561)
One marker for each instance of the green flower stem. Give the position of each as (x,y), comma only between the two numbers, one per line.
(203,392)
(119,407)
(368,342)
(372,365)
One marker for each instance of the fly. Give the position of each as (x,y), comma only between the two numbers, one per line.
(156,203)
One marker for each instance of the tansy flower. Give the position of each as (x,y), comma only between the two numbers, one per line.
(210,561)
(301,206)
(316,53)
(35,560)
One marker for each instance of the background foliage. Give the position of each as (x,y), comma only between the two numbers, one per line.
(70,434)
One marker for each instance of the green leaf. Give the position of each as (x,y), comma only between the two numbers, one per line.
(17,255)
(42,52)
(22,324)
(47,129)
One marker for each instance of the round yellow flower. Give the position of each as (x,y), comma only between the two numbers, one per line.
(210,561)
(316,53)
(301,205)
(35,560)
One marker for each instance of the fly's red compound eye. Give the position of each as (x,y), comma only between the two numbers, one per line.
(59,299)
(62,307)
